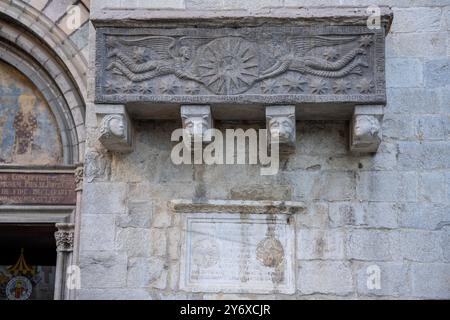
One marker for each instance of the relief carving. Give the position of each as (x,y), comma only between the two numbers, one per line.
(259,61)
(97,166)
(281,125)
(64,236)
(115,132)
(196,123)
(366,129)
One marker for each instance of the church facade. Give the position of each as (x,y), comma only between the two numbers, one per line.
(186,149)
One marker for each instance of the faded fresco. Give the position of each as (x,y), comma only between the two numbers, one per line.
(28,131)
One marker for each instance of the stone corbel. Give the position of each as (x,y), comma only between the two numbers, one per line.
(280,122)
(115,128)
(365,128)
(196,120)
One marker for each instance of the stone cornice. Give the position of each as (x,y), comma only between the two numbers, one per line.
(103,14)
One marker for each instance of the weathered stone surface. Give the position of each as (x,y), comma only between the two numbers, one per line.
(104,198)
(423,156)
(372,214)
(424,216)
(139,215)
(417,19)
(404,72)
(335,186)
(367,244)
(320,244)
(417,245)
(237,254)
(433,127)
(143,271)
(393,279)
(387,186)
(103,269)
(437,73)
(433,187)
(98,232)
(240,65)
(431,281)
(327,277)
(135,241)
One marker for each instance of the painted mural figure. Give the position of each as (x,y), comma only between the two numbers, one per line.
(25,124)
(29,132)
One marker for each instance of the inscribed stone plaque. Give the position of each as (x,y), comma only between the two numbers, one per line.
(37,188)
(236,253)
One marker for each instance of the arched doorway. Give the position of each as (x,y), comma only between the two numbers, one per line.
(41,152)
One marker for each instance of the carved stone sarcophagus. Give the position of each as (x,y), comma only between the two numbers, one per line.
(322,62)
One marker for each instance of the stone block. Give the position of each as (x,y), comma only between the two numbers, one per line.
(158,242)
(143,271)
(416,45)
(431,280)
(367,244)
(435,127)
(136,242)
(417,245)
(316,216)
(104,198)
(404,72)
(392,279)
(416,19)
(97,232)
(335,186)
(426,155)
(437,73)
(433,187)
(139,215)
(399,126)
(327,277)
(413,101)
(372,214)
(423,216)
(103,269)
(320,244)
(387,186)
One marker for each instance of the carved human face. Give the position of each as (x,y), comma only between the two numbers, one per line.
(282,127)
(196,126)
(117,127)
(366,127)
(185,52)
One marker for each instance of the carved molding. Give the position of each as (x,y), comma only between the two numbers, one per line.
(236,206)
(115,128)
(79,176)
(64,237)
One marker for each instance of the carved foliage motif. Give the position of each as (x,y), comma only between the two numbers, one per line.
(247,61)
(64,236)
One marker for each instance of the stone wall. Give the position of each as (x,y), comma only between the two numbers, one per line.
(390,210)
